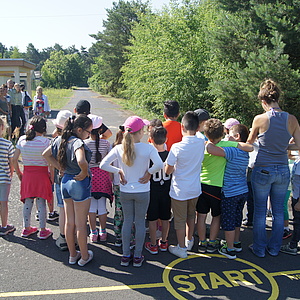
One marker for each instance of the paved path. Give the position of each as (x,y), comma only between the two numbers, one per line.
(35,269)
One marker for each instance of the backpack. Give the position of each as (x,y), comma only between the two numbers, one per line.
(27,100)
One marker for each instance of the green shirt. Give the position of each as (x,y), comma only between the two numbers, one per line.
(213,167)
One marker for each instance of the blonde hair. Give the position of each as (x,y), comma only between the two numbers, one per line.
(39,88)
(129,155)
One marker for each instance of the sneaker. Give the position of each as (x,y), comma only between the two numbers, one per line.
(213,246)
(176,250)
(103,236)
(118,243)
(125,260)
(61,243)
(202,247)
(287,234)
(288,250)
(152,249)
(163,246)
(94,237)
(7,229)
(83,262)
(53,216)
(27,233)
(44,234)
(73,260)
(189,244)
(229,254)
(237,247)
(248,224)
(138,261)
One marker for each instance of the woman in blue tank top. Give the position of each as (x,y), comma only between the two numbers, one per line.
(271,175)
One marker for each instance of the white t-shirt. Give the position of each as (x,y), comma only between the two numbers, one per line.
(144,152)
(186,157)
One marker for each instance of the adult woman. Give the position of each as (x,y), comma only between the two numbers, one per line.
(40,103)
(71,156)
(5,110)
(270,176)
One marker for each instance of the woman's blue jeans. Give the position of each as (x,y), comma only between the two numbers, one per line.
(270,181)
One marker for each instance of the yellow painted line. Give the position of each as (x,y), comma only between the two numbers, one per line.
(82,290)
(282,273)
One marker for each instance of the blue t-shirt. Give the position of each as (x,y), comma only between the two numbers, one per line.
(235,179)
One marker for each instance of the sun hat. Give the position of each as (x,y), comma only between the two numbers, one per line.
(202,114)
(230,122)
(61,118)
(96,120)
(135,123)
(83,107)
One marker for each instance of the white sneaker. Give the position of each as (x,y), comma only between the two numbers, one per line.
(176,250)
(189,244)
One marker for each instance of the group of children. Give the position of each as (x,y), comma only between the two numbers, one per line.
(156,180)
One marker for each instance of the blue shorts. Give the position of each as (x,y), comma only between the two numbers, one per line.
(4,191)
(232,211)
(75,189)
(59,197)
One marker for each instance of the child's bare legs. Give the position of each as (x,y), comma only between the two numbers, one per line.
(165,230)
(229,236)
(92,220)
(237,234)
(70,226)
(190,228)
(102,220)
(62,220)
(152,231)
(180,233)
(214,228)
(201,226)
(4,212)
(81,210)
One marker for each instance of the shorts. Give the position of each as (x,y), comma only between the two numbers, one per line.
(4,191)
(59,197)
(160,204)
(98,206)
(75,189)
(209,200)
(232,211)
(183,210)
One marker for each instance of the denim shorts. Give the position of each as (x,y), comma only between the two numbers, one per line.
(4,191)
(75,189)
(59,197)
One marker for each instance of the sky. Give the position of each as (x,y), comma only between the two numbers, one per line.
(46,22)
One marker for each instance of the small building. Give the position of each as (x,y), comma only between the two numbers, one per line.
(19,70)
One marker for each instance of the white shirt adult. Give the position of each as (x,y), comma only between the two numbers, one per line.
(144,153)
(186,157)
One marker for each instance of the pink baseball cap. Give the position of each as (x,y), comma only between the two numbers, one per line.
(230,122)
(135,123)
(96,120)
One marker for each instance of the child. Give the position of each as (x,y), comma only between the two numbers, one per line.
(59,123)
(203,116)
(35,179)
(291,248)
(227,125)
(101,181)
(184,161)
(40,103)
(234,190)
(212,174)
(160,201)
(71,157)
(134,158)
(6,171)
(171,113)
(119,216)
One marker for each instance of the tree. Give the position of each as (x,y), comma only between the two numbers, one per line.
(33,55)
(3,49)
(63,70)
(16,53)
(111,45)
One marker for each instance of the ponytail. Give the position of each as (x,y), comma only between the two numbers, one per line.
(95,132)
(66,134)
(128,156)
(37,124)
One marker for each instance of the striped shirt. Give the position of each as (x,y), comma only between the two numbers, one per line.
(31,151)
(104,148)
(235,180)
(6,151)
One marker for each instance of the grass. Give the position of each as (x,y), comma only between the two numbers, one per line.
(58,98)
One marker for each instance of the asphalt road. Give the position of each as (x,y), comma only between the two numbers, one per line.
(35,269)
